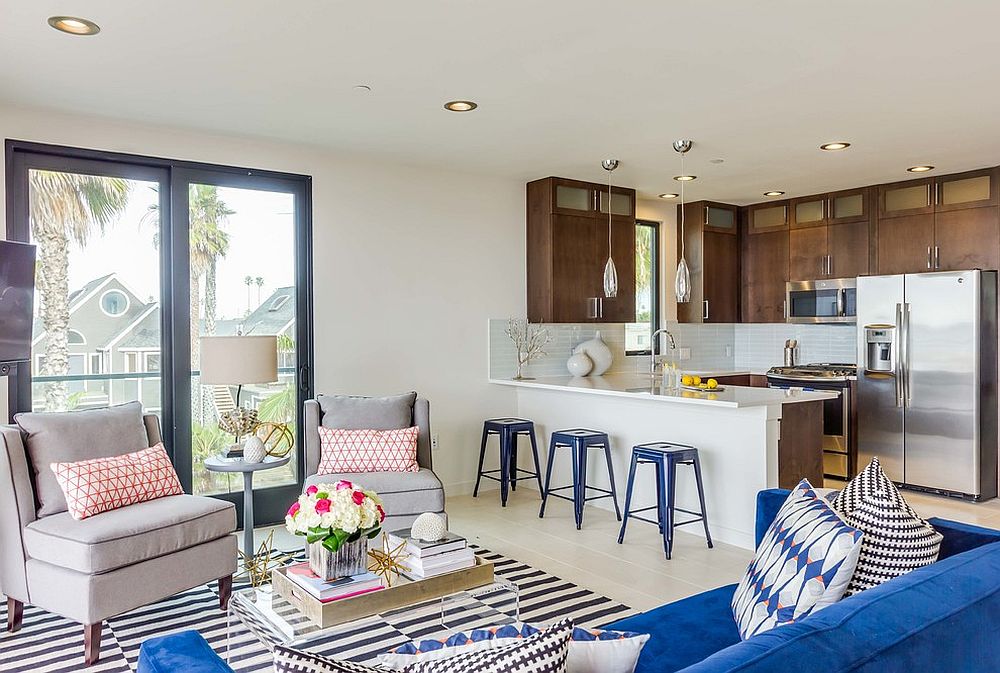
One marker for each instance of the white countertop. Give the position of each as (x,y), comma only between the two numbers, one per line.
(638,386)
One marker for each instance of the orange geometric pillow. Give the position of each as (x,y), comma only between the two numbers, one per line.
(102,484)
(368,450)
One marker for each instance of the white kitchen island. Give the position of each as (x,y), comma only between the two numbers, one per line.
(736,431)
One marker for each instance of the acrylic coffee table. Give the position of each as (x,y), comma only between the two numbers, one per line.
(274,621)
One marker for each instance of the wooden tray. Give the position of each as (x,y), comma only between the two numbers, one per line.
(405,592)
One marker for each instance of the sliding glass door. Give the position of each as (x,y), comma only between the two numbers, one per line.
(137,260)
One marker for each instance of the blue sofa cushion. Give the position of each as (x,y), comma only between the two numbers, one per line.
(945,616)
(684,632)
(185,651)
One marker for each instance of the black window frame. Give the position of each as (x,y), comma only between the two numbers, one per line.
(655,299)
(175,175)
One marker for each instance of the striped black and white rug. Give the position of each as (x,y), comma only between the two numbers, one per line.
(51,644)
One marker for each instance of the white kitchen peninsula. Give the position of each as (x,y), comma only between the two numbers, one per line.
(736,431)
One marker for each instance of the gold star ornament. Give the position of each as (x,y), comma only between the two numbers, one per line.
(257,567)
(386,561)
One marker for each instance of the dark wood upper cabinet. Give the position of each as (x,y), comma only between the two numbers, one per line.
(809,211)
(975,189)
(711,249)
(807,253)
(764,273)
(567,249)
(968,238)
(849,249)
(906,244)
(848,206)
(901,199)
(767,217)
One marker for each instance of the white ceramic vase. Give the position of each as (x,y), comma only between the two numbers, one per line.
(579,364)
(598,352)
(254,450)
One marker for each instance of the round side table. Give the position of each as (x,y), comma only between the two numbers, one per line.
(220,464)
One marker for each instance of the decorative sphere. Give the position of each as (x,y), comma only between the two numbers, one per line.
(254,450)
(429,527)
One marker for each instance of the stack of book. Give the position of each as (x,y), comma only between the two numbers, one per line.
(429,559)
(338,589)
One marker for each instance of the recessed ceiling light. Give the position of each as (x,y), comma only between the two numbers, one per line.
(833,147)
(685,178)
(460,105)
(773,192)
(669,196)
(74,25)
(920,169)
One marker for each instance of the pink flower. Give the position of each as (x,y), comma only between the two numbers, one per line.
(294,509)
(312,490)
(323,506)
(381,513)
(342,484)
(359,497)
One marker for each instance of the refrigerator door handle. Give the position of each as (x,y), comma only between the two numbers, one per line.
(897,346)
(905,356)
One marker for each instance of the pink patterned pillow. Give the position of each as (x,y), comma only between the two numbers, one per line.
(102,484)
(368,450)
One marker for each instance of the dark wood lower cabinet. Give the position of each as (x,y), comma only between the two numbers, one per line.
(903,243)
(848,246)
(800,448)
(765,271)
(967,239)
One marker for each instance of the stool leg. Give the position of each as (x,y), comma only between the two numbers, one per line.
(611,476)
(701,499)
(628,497)
(513,461)
(534,455)
(482,457)
(504,466)
(660,514)
(548,476)
(668,527)
(581,484)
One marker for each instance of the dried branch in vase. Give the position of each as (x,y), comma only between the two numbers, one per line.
(529,342)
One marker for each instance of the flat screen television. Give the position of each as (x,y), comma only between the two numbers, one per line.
(17,295)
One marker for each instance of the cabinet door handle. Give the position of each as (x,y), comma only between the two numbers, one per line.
(937,194)
(937,257)
(928,257)
(600,306)
(707,223)
(597,206)
(784,309)
(592,307)
(704,311)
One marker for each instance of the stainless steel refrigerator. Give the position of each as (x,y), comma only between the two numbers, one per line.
(927,379)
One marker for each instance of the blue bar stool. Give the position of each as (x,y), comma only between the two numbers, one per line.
(666,457)
(580,441)
(507,430)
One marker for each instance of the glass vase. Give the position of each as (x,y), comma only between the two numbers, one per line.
(350,559)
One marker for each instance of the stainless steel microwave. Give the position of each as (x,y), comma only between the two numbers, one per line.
(821,301)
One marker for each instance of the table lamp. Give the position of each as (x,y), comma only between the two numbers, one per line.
(238,361)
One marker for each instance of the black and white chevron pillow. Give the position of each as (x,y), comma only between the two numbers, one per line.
(895,539)
(543,652)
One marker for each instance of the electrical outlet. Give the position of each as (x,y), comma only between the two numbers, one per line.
(729,351)
(434,442)
(684,353)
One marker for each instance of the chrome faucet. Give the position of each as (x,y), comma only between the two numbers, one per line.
(652,348)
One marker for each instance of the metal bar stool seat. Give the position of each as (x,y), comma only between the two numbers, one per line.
(581,441)
(666,456)
(507,431)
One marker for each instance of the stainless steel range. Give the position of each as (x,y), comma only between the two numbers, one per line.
(839,440)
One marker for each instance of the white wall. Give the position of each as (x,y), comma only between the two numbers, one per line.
(664,212)
(409,265)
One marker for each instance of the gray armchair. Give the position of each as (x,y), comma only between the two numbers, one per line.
(102,566)
(405,494)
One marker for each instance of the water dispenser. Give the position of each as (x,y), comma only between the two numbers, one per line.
(880,344)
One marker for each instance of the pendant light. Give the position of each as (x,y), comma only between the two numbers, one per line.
(682,284)
(610,272)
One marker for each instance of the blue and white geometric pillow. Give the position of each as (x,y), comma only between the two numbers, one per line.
(590,650)
(804,563)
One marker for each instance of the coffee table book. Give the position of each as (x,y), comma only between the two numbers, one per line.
(402,593)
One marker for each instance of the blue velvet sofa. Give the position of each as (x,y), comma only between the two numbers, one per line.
(945,617)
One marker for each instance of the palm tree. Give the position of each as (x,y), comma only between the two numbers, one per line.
(260,283)
(64,207)
(248,281)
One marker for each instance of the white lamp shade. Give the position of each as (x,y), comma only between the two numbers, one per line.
(238,360)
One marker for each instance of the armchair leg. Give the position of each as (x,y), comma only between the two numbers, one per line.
(92,643)
(225,591)
(15,614)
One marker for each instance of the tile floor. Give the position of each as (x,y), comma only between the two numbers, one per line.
(634,573)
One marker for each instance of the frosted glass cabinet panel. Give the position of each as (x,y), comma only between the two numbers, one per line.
(768,218)
(810,212)
(573,198)
(720,218)
(906,199)
(621,204)
(967,191)
(850,205)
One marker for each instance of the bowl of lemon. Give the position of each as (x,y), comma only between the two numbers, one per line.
(695,383)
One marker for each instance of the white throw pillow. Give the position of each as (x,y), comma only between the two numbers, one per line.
(803,564)
(590,650)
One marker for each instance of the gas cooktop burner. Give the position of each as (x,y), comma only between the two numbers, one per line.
(823,370)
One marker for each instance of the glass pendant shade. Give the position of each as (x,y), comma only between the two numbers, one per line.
(610,279)
(682,284)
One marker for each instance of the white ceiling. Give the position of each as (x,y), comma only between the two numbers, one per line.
(561,83)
